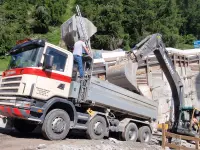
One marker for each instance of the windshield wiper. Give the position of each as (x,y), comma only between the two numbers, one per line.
(14,67)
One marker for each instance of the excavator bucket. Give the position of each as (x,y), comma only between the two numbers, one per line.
(123,75)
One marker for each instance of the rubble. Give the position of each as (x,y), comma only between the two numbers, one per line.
(96,145)
(41,146)
(114,141)
(32,141)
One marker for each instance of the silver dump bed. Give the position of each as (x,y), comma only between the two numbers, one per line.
(105,94)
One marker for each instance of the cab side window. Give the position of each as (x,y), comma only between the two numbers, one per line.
(60,59)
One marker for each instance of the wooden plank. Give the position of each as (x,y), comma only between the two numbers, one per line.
(168,134)
(170,145)
(197,144)
(182,136)
(163,136)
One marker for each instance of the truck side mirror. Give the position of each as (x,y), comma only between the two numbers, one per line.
(48,61)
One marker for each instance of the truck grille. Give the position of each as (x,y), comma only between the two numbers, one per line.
(10,85)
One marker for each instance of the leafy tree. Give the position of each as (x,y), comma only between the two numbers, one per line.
(170,22)
(47,13)
(13,23)
(191,14)
(107,15)
(150,16)
(120,23)
(41,20)
(22,18)
(126,22)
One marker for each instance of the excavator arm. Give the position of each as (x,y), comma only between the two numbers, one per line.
(124,73)
(154,43)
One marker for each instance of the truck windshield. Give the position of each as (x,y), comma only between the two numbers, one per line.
(26,57)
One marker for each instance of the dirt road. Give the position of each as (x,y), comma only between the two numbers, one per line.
(12,140)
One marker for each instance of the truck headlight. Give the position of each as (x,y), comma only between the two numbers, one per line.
(23,104)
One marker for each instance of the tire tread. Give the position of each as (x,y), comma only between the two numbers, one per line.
(45,131)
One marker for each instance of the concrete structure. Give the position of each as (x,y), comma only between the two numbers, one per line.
(154,85)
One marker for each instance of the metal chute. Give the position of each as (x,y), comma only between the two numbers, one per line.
(71,30)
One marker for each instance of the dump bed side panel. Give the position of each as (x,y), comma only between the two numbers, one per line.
(105,94)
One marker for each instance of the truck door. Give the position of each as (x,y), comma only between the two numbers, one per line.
(55,81)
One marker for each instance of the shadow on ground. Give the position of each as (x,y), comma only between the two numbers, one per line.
(37,134)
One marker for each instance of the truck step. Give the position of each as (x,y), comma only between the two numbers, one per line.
(80,126)
(83,116)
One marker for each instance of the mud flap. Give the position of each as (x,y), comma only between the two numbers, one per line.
(6,123)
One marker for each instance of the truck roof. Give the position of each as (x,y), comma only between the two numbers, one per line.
(37,42)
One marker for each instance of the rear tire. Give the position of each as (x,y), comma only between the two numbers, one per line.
(23,126)
(56,125)
(144,134)
(130,133)
(97,128)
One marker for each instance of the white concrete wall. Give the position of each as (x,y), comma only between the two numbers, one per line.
(161,91)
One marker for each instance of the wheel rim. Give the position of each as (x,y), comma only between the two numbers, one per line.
(58,125)
(146,136)
(98,128)
(132,134)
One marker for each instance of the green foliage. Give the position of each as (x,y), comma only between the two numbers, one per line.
(4,61)
(21,19)
(13,23)
(107,15)
(120,23)
(48,13)
(69,10)
(41,20)
(53,36)
(191,14)
(123,23)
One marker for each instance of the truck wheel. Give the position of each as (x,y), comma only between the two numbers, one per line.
(23,126)
(144,134)
(96,128)
(56,125)
(130,133)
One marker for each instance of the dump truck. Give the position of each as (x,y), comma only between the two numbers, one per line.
(41,88)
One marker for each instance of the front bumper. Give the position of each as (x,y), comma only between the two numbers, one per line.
(15,112)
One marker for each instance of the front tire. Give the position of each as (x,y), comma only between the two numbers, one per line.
(23,126)
(56,125)
(97,128)
(130,133)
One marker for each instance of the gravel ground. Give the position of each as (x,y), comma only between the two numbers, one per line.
(12,140)
(100,145)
